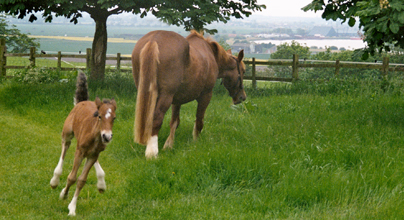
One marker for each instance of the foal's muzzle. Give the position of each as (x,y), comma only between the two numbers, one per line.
(106,137)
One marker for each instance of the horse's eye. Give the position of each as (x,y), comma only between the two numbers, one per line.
(99,117)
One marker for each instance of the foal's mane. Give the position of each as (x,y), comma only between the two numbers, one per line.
(221,55)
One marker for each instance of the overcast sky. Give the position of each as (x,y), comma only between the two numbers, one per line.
(286,8)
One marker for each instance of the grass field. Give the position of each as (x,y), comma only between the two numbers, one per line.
(306,150)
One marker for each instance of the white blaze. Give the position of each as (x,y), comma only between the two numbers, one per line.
(108,113)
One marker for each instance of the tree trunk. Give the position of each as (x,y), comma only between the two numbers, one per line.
(99,48)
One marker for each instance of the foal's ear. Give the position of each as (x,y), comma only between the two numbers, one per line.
(113,103)
(98,102)
(240,55)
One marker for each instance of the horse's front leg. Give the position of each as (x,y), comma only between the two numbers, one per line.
(175,122)
(163,104)
(203,103)
(80,184)
(71,179)
(100,177)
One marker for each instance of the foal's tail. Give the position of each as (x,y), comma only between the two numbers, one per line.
(81,88)
(147,92)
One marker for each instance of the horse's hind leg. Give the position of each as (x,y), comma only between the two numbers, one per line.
(175,122)
(66,140)
(163,104)
(203,103)
(80,184)
(100,177)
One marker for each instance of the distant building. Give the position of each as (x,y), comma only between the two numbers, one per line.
(247,47)
(323,31)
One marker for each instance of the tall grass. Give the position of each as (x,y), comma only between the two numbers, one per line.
(307,150)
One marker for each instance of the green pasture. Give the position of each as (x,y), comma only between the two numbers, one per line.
(307,150)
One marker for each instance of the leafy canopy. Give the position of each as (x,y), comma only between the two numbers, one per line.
(381,20)
(192,14)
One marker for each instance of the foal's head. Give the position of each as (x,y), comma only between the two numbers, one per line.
(233,77)
(106,116)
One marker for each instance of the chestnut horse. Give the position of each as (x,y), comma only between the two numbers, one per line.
(170,70)
(91,123)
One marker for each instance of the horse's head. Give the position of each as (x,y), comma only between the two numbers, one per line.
(233,75)
(106,116)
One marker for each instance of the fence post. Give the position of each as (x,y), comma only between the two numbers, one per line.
(2,57)
(32,56)
(385,69)
(254,81)
(59,60)
(118,61)
(295,70)
(337,67)
(88,59)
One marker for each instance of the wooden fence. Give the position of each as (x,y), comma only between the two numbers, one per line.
(33,55)
(295,63)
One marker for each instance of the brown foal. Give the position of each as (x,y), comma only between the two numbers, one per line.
(91,123)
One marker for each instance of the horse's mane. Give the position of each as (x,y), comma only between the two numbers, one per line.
(221,55)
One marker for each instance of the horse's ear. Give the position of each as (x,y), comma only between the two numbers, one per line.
(229,51)
(98,102)
(240,55)
(215,48)
(113,102)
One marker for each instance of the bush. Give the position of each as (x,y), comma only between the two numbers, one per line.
(43,75)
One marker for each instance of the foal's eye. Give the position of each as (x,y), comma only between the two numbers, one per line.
(99,117)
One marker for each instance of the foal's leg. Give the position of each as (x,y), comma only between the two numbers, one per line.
(66,141)
(203,103)
(175,122)
(71,179)
(163,104)
(100,176)
(80,184)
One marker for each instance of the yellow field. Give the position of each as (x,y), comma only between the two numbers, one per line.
(110,40)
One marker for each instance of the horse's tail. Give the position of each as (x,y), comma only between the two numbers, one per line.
(81,88)
(146,93)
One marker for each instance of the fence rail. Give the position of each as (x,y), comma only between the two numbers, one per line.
(295,63)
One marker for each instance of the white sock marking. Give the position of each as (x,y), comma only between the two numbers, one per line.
(63,194)
(152,148)
(100,176)
(72,206)
(57,173)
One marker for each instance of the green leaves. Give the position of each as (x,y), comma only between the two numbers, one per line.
(382,23)
(16,41)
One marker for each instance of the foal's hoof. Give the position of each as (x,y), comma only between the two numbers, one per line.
(101,190)
(54,182)
(63,195)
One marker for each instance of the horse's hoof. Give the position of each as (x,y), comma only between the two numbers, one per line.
(63,195)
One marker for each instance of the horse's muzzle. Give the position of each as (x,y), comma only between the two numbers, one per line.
(239,98)
(106,137)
